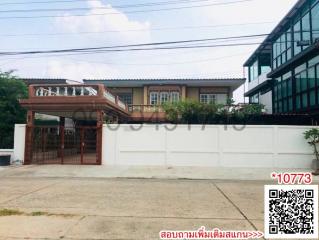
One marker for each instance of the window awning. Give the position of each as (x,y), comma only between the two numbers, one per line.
(264,87)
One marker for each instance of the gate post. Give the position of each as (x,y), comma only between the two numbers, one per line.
(61,133)
(99,128)
(28,138)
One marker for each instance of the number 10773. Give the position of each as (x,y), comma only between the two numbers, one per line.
(292,178)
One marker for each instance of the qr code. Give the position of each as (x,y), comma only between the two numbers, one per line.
(291,211)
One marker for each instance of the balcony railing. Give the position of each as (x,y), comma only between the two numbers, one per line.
(146,108)
(48,91)
(109,96)
(78,90)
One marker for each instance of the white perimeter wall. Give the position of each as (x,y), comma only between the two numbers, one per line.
(213,146)
(19,142)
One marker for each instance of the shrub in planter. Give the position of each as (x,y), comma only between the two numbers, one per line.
(312,137)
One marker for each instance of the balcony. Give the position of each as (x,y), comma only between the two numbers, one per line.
(59,99)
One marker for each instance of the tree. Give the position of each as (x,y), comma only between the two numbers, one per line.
(11,90)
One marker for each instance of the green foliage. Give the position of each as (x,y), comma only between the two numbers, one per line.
(194,112)
(312,136)
(11,90)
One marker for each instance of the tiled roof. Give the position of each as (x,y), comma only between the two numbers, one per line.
(164,79)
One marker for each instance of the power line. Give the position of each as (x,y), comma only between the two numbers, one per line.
(125,12)
(133,45)
(105,8)
(129,49)
(133,30)
(74,1)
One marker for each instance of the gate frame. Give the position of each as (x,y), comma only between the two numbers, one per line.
(29,135)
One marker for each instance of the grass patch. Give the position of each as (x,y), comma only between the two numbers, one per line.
(39,214)
(14,212)
(10,212)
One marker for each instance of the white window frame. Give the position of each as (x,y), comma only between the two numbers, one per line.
(164,97)
(208,98)
(154,98)
(174,96)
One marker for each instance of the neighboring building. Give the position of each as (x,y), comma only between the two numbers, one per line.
(284,70)
(157,91)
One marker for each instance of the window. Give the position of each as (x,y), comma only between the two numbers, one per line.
(164,97)
(305,23)
(126,98)
(160,97)
(254,98)
(297,38)
(154,98)
(207,98)
(315,22)
(253,71)
(174,96)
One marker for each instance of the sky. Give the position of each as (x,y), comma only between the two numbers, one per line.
(121,22)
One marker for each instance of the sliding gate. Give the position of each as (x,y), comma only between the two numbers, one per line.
(63,145)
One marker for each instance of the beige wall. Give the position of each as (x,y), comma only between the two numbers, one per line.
(192,93)
(138,96)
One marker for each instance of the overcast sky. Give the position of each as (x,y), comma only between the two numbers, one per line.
(117,26)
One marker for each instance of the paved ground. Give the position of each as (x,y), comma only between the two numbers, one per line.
(78,171)
(87,208)
(83,202)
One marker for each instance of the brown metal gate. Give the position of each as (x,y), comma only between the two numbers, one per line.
(63,145)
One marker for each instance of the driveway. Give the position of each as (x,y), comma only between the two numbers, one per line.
(105,208)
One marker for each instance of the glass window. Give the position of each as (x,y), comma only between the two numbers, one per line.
(274,50)
(288,37)
(174,96)
(311,77)
(289,87)
(298,102)
(154,98)
(313,61)
(284,89)
(305,22)
(126,98)
(207,98)
(315,22)
(317,74)
(303,79)
(305,100)
(297,37)
(254,71)
(298,86)
(164,97)
(290,106)
(279,91)
(284,106)
(312,98)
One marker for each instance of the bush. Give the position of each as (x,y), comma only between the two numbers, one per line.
(193,112)
(11,89)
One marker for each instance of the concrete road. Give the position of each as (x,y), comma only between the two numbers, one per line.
(93,208)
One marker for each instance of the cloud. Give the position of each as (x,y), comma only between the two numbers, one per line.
(79,70)
(115,24)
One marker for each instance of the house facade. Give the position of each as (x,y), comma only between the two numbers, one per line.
(283,73)
(146,95)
